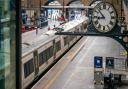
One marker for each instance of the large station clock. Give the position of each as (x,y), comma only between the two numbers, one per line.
(104,17)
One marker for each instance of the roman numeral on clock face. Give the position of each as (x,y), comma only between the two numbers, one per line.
(113,17)
(99,26)
(95,17)
(111,12)
(111,22)
(96,22)
(108,27)
(104,6)
(99,7)
(108,7)
(103,28)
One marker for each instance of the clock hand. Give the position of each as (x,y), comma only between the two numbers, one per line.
(103,17)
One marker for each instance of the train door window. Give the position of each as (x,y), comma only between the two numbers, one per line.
(58,46)
(45,56)
(41,58)
(65,40)
(48,53)
(36,62)
(51,51)
(71,38)
(28,68)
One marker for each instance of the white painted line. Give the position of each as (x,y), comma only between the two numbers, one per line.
(38,83)
(88,49)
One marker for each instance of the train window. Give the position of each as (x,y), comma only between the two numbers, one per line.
(28,68)
(65,41)
(45,55)
(48,53)
(71,38)
(51,51)
(58,46)
(42,58)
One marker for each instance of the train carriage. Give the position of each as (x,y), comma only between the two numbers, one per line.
(45,53)
(27,69)
(40,54)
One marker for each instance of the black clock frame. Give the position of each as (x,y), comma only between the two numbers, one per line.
(115,17)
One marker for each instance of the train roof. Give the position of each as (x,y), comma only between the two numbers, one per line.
(72,24)
(28,47)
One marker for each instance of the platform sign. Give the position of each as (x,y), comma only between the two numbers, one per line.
(71,15)
(98,62)
(98,77)
(110,62)
(120,64)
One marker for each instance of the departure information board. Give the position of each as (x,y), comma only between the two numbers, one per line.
(98,62)
(110,62)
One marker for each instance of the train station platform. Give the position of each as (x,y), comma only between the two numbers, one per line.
(34,34)
(76,69)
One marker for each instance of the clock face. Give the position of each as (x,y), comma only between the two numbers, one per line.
(104,17)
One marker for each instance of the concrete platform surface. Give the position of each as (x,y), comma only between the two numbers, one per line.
(79,74)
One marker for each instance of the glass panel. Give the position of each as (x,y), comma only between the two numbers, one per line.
(58,47)
(28,68)
(51,51)
(5,4)
(40,59)
(7,45)
(65,41)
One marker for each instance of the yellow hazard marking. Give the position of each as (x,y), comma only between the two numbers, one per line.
(123,53)
(94,81)
(70,57)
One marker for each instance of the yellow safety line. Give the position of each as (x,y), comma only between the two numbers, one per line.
(57,74)
(62,69)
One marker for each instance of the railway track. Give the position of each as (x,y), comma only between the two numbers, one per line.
(50,74)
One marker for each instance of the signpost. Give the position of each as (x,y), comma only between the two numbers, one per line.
(120,64)
(98,62)
(98,70)
(110,62)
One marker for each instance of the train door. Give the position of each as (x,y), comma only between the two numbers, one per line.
(54,49)
(68,41)
(36,63)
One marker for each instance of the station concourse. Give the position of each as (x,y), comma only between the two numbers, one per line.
(64,44)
